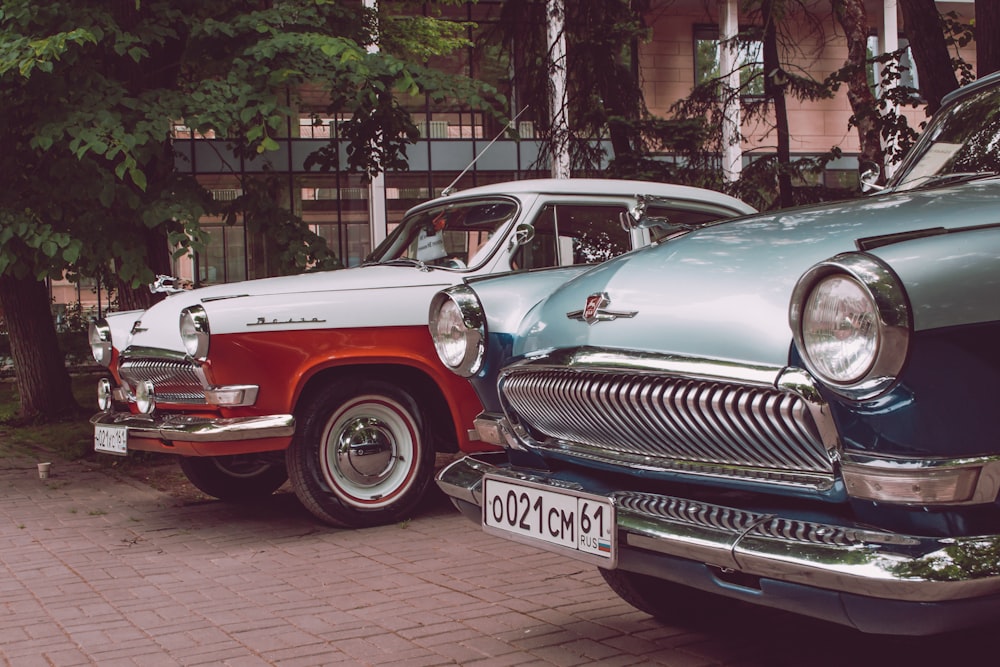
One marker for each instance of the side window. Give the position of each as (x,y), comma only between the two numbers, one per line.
(567,234)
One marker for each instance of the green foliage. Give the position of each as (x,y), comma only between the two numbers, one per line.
(28,244)
(291,246)
(416,38)
(601,36)
(91,90)
(893,95)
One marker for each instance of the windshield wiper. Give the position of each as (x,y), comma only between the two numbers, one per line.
(404,261)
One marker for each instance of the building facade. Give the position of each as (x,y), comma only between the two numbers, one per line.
(353,214)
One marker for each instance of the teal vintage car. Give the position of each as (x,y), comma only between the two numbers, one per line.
(794,409)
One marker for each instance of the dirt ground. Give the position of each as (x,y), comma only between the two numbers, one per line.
(163,474)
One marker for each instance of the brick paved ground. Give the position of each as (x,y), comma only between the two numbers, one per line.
(97,570)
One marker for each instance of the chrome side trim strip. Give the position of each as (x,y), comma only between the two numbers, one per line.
(851,559)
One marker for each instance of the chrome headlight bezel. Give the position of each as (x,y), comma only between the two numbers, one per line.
(458,328)
(878,299)
(105,397)
(99,336)
(195,332)
(145,397)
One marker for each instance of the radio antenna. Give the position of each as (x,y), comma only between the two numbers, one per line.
(451,188)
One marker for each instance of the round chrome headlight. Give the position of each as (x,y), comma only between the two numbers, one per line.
(458,329)
(195,332)
(840,329)
(99,335)
(104,399)
(851,322)
(145,397)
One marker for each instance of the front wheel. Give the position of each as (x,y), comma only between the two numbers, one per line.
(240,477)
(361,455)
(670,603)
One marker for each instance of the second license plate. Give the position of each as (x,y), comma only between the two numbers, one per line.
(582,525)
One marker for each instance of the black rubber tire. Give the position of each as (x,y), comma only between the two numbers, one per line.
(234,478)
(667,601)
(383,465)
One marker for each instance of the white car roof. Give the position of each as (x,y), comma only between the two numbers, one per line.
(597,187)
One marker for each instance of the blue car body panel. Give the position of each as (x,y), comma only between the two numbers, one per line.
(678,383)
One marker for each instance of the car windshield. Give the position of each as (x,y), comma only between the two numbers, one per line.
(456,235)
(963,142)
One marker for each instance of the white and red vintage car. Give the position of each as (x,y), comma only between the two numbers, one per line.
(330,379)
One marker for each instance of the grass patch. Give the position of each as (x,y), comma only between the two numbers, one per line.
(71,439)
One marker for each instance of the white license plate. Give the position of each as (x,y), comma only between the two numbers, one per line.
(581,525)
(111,439)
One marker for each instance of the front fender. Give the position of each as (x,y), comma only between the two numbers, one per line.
(951,279)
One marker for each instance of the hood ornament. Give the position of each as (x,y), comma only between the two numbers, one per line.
(595,310)
(169,285)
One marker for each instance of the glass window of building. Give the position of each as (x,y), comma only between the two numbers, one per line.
(749,59)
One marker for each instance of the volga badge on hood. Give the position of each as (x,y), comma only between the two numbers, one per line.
(595,310)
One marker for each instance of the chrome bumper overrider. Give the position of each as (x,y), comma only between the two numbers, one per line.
(848,559)
(189,428)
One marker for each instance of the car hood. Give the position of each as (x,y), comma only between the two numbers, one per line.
(364,296)
(723,292)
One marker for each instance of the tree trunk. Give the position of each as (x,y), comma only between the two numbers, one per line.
(158,260)
(922,25)
(987,37)
(853,19)
(39,367)
(774,90)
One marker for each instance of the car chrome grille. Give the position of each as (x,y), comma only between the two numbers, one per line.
(747,524)
(664,422)
(174,380)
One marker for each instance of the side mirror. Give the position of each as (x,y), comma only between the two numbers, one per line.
(869,175)
(638,216)
(523,233)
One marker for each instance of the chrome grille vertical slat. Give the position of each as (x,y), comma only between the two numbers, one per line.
(174,380)
(778,412)
(668,421)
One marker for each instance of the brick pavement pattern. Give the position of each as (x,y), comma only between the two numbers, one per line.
(98,569)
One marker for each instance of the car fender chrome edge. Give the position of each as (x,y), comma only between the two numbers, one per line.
(854,560)
(199,429)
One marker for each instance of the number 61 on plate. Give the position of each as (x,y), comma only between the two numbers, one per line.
(579,524)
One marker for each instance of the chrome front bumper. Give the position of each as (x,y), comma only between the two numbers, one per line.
(188,428)
(747,545)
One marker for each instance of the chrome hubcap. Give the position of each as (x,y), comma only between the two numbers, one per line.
(365,451)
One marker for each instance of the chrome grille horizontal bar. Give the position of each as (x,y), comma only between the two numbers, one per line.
(174,380)
(662,421)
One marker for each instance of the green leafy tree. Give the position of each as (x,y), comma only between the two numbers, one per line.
(90,91)
(774,29)
(853,18)
(885,132)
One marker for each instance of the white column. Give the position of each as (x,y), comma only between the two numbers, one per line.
(732,151)
(377,216)
(890,42)
(556,41)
